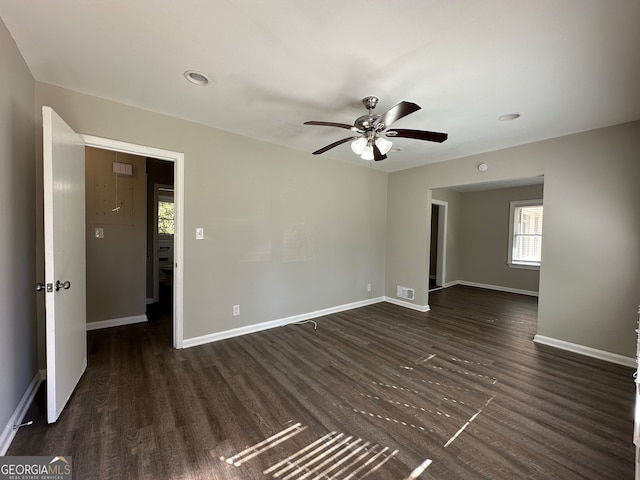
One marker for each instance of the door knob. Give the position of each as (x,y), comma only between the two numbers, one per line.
(39,287)
(66,285)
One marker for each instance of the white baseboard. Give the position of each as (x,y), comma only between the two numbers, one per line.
(236,332)
(403,303)
(587,351)
(495,287)
(116,322)
(8,433)
(149,301)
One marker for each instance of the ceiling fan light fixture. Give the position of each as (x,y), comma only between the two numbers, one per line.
(367,154)
(384,145)
(358,145)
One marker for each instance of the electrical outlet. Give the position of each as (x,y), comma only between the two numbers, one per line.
(199,233)
(368,287)
(236,310)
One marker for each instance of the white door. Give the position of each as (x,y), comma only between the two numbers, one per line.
(64,238)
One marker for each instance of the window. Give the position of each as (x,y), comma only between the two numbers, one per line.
(166,225)
(525,234)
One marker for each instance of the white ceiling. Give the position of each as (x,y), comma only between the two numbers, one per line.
(565,65)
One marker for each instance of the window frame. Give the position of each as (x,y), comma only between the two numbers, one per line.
(513,205)
(163,193)
(165,199)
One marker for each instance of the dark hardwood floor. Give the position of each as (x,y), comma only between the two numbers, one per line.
(380,392)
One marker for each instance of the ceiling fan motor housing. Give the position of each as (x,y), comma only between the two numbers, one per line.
(367,122)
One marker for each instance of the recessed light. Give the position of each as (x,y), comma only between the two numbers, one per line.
(197,78)
(508,117)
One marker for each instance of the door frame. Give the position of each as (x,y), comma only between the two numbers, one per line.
(178,241)
(441,252)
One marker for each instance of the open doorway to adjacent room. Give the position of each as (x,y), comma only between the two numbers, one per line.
(130,239)
(472,236)
(133,254)
(438,245)
(160,236)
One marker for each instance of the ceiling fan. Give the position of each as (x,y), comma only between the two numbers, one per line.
(371,129)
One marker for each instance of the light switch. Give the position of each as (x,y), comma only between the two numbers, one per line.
(99,232)
(199,233)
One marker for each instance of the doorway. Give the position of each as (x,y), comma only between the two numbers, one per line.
(160,232)
(160,245)
(438,245)
(177,160)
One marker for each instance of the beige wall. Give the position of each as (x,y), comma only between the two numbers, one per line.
(589,282)
(116,280)
(286,232)
(18,353)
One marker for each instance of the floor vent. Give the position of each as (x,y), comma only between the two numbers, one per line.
(407,293)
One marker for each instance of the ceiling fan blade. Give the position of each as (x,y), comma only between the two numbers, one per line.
(396,113)
(417,134)
(377,154)
(334,144)
(332,124)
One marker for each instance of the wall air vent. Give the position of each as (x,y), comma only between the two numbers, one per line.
(123,169)
(406,293)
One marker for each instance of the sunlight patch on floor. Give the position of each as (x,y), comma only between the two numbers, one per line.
(265,445)
(334,456)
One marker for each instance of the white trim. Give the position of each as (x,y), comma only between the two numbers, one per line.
(126,147)
(7,435)
(587,351)
(499,288)
(149,301)
(412,306)
(116,322)
(178,181)
(525,266)
(258,327)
